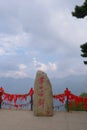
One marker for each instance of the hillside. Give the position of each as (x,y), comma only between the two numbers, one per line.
(77,84)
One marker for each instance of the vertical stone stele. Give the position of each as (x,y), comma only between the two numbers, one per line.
(43,96)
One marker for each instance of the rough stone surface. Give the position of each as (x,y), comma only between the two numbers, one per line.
(43,97)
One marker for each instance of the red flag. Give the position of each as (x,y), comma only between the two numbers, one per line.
(31,92)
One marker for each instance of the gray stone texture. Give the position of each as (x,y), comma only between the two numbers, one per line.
(43,96)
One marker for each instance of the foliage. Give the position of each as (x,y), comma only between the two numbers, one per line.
(84,94)
(84,51)
(74,107)
(78,107)
(80,11)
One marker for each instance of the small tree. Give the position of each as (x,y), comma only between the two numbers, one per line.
(81,12)
(79,107)
(84,51)
(84,94)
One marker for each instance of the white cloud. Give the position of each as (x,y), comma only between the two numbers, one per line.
(41,66)
(44,29)
(13,41)
(10,44)
(68,28)
(52,66)
(20,74)
(44,67)
(14,74)
(22,67)
(2,51)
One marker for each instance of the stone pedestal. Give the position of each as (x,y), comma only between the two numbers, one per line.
(43,97)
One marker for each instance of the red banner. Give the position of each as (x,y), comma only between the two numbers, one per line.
(14,97)
(61,97)
(71,97)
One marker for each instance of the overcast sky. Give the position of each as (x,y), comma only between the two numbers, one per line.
(41,35)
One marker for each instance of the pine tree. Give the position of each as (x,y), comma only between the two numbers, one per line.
(84,51)
(81,12)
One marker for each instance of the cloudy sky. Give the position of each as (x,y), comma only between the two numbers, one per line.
(41,35)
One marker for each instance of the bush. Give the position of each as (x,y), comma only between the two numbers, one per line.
(74,107)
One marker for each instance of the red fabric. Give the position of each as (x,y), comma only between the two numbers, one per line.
(31,92)
(1,90)
(41,80)
(60,97)
(15,97)
(67,92)
(71,97)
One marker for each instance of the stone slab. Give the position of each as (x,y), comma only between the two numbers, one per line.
(43,96)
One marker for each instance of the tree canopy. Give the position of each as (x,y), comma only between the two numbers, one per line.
(79,107)
(80,11)
(84,94)
(84,51)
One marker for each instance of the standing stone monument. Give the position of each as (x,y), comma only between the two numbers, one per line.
(43,97)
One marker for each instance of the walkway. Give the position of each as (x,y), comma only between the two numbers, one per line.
(25,120)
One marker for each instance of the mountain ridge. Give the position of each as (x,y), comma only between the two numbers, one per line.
(76,84)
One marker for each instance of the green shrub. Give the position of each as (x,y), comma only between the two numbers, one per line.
(74,107)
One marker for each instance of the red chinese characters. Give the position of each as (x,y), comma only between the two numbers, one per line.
(41,103)
(41,92)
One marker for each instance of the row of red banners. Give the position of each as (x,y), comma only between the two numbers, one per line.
(14,97)
(61,97)
(71,97)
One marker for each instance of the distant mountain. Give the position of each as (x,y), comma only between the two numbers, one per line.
(76,84)
(13,85)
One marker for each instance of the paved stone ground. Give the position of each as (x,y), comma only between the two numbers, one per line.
(25,120)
